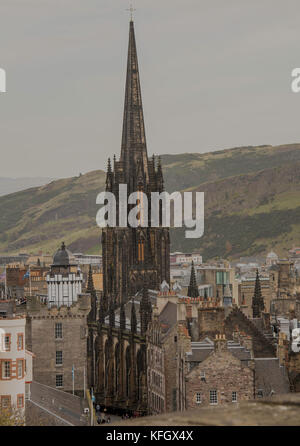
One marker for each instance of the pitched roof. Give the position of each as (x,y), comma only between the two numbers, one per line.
(270,376)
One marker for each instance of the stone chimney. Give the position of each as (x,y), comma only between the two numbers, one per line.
(220,343)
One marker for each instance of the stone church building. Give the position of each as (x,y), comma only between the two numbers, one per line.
(135,261)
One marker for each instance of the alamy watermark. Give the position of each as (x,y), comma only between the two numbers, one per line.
(2,81)
(133,210)
(295,85)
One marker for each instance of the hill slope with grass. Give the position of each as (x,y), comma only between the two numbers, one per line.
(252,204)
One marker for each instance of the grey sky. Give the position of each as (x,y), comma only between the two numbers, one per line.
(214,74)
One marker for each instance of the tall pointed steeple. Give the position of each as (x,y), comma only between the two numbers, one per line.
(148,248)
(91,290)
(257,301)
(227,296)
(133,320)
(145,310)
(193,288)
(133,149)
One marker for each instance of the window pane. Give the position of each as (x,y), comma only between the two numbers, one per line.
(7,342)
(213,397)
(58,330)
(20,342)
(5,401)
(59,358)
(6,369)
(59,380)
(20,369)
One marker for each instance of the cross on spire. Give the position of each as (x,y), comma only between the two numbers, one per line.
(131,10)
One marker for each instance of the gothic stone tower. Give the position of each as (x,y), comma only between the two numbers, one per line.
(133,257)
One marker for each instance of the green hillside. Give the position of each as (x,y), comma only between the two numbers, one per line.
(252,204)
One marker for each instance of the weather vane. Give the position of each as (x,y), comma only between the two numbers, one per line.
(131,9)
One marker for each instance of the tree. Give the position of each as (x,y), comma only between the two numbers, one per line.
(11,417)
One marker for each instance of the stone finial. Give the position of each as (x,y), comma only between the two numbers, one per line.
(177,287)
(164,286)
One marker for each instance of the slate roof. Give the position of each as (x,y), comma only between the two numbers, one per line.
(270,376)
(201,350)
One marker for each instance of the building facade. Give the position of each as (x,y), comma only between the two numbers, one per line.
(64,279)
(58,339)
(15,364)
(134,261)
(220,379)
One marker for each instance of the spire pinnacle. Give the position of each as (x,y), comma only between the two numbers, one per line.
(91,290)
(132,10)
(133,318)
(145,310)
(257,301)
(122,316)
(193,288)
(108,166)
(90,284)
(133,137)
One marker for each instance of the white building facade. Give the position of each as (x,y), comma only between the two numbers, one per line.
(64,279)
(64,289)
(13,364)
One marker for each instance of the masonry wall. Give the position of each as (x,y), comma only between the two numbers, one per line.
(294,371)
(223,373)
(211,321)
(288,307)
(73,344)
(262,348)
(175,345)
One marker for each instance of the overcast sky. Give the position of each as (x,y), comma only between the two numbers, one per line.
(214,73)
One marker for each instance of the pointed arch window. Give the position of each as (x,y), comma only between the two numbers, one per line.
(141,250)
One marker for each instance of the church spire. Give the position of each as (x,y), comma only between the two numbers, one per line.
(133,318)
(145,310)
(133,147)
(257,301)
(91,290)
(193,288)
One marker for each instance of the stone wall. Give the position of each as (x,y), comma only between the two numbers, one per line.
(41,340)
(222,372)
(54,407)
(262,347)
(283,410)
(175,344)
(210,321)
